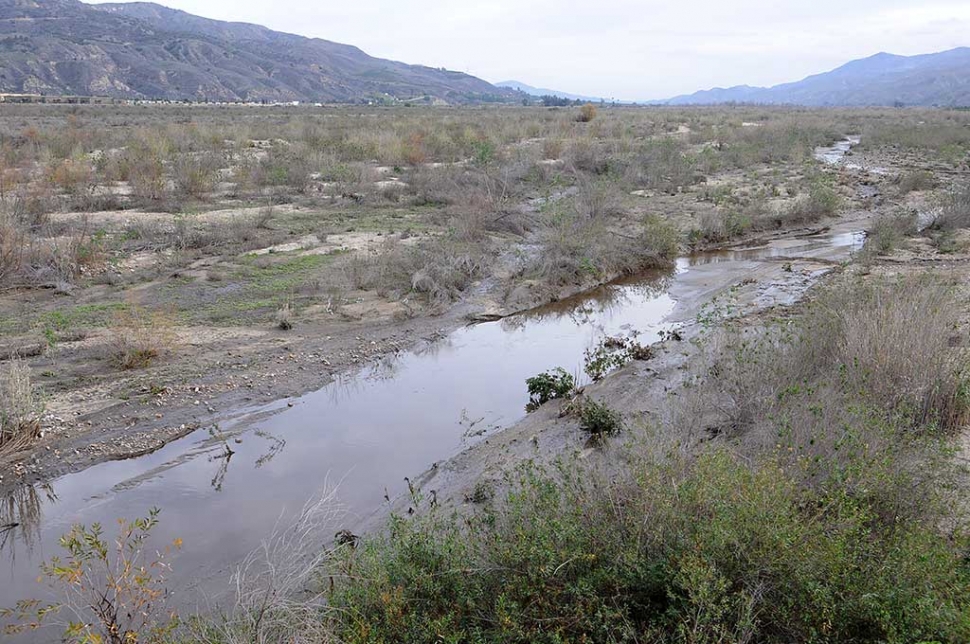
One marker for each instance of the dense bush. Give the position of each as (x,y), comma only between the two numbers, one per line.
(708,550)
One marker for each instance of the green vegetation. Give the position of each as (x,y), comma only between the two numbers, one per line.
(114,589)
(549,385)
(598,419)
(711,549)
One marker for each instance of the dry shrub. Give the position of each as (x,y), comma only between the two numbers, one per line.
(955,210)
(146,173)
(889,230)
(20,409)
(239,233)
(597,197)
(661,165)
(275,592)
(577,249)
(861,348)
(440,268)
(914,181)
(586,113)
(137,337)
(552,148)
(195,174)
(13,244)
(820,201)
(71,176)
(587,156)
(892,339)
(413,151)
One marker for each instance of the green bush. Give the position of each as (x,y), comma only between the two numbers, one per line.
(598,419)
(821,201)
(889,231)
(711,550)
(549,385)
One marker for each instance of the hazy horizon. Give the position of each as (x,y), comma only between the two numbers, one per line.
(618,48)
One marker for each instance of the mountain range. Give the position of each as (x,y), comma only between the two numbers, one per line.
(144,50)
(941,79)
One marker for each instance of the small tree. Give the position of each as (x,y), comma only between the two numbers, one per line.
(115,592)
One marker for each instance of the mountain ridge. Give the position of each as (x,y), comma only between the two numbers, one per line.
(941,78)
(147,51)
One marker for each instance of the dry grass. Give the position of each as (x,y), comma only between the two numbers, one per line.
(955,210)
(894,340)
(137,337)
(20,408)
(272,598)
(883,345)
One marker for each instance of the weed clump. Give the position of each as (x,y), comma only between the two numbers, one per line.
(284,318)
(599,419)
(137,337)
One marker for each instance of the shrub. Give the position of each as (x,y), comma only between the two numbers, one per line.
(821,201)
(13,247)
(577,249)
(195,174)
(612,353)
(137,337)
(114,589)
(549,385)
(586,113)
(20,409)
(598,419)
(440,268)
(890,230)
(915,180)
(680,550)
(72,176)
(146,172)
(954,211)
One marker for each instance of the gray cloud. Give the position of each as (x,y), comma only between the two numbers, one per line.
(618,48)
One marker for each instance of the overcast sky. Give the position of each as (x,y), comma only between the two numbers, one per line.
(624,49)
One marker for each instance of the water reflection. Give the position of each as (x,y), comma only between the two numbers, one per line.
(602,302)
(20,517)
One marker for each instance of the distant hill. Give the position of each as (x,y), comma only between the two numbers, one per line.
(145,50)
(941,79)
(539,91)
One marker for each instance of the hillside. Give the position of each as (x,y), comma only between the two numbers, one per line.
(144,50)
(941,79)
